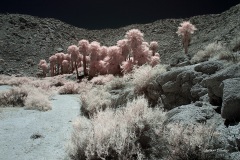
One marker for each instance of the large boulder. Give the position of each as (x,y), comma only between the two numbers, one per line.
(231,99)
(175,87)
(213,82)
(209,67)
(193,114)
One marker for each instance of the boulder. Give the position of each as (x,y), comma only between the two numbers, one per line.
(213,82)
(175,87)
(231,99)
(209,67)
(192,114)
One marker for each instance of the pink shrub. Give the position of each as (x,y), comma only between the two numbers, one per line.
(114,59)
(155,60)
(103,52)
(73,50)
(59,61)
(53,61)
(123,44)
(83,49)
(41,62)
(185,31)
(127,66)
(65,65)
(94,52)
(142,55)
(134,37)
(153,47)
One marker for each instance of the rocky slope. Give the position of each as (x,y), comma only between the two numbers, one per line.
(24,39)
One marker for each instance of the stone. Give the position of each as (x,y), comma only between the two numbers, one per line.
(231,99)
(209,67)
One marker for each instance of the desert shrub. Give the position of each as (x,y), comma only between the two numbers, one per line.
(118,83)
(102,79)
(191,142)
(14,97)
(144,75)
(94,100)
(213,50)
(26,96)
(69,88)
(15,81)
(36,101)
(125,133)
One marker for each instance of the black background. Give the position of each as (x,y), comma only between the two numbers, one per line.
(99,14)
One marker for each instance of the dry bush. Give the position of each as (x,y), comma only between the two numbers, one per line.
(144,75)
(14,97)
(15,81)
(125,133)
(118,82)
(69,88)
(102,79)
(37,99)
(191,142)
(213,50)
(26,96)
(37,102)
(94,100)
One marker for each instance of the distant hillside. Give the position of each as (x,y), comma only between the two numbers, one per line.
(25,38)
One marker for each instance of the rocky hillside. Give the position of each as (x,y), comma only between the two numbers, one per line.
(24,39)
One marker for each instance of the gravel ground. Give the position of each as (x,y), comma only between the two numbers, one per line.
(29,134)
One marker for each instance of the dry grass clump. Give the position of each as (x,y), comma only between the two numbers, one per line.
(125,133)
(213,50)
(94,100)
(15,81)
(69,88)
(144,75)
(191,142)
(102,79)
(118,83)
(14,97)
(26,96)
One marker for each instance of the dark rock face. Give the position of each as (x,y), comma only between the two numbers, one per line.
(190,114)
(209,67)
(180,87)
(213,83)
(231,99)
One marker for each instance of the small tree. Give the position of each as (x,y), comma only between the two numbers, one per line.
(185,31)
(73,51)
(83,49)
(53,61)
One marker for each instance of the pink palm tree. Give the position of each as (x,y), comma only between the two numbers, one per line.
(185,31)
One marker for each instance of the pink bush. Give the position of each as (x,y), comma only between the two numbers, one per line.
(114,59)
(185,31)
(123,44)
(134,37)
(103,52)
(53,61)
(42,61)
(83,49)
(44,68)
(127,66)
(74,52)
(142,55)
(65,65)
(153,47)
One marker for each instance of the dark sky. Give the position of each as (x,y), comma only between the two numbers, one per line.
(98,14)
